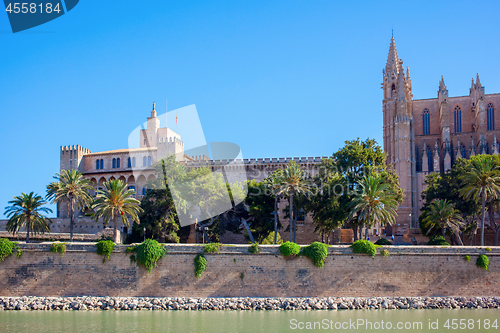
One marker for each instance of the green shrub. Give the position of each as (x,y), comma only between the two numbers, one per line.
(148,253)
(6,248)
(200,264)
(58,247)
(438,240)
(289,249)
(483,261)
(364,246)
(383,241)
(130,249)
(104,248)
(103,237)
(242,276)
(488,249)
(384,253)
(211,248)
(269,240)
(467,258)
(254,248)
(317,252)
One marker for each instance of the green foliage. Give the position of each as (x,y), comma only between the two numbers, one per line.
(6,247)
(105,238)
(483,261)
(27,211)
(133,259)
(242,276)
(288,249)
(200,264)
(269,240)
(383,241)
(467,258)
(104,248)
(254,248)
(58,247)
(317,252)
(447,186)
(384,253)
(488,249)
(211,248)
(130,249)
(148,253)
(438,240)
(364,246)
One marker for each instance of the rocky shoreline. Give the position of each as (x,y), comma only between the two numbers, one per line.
(243,303)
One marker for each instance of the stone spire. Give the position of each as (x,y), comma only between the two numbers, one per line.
(494,146)
(478,84)
(393,65)
(458,150)
(442,86)
(472,147)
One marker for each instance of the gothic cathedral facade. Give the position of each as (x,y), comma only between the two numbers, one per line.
(429,135)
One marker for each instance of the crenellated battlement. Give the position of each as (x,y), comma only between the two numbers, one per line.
(253,161)
(165,140)
(74,149)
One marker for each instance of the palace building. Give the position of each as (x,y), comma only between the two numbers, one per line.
(429,135)
(135,166)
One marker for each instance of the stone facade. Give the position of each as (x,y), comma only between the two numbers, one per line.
(429,135)
(406,272)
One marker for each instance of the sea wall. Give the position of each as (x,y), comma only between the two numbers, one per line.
(408,271)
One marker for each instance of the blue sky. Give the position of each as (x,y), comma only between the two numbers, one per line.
(279,78)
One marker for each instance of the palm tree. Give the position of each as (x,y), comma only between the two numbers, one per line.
(375,201)
(481,182)
(273,183)
(293,182)
(443,215)
(116,201)
(73,189)
(26,211)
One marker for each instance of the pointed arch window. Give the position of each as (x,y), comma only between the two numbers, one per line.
(426,122)
(133,162)
(149,160)
(101,164)
(463,150)
(118,163)
(113,165)
(458,119)
(490,115)
(129,163)
(430,160)
(97,164)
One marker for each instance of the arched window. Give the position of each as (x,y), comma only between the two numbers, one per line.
(118,163)
(490,116)
(144,189)
(129,163)
(97,164)
(458,119)
(149,160)
(430,160)
(144,161)
(114,163)
(133,162)
(102,164)
(426,122)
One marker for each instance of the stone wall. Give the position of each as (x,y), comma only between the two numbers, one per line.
(408,271)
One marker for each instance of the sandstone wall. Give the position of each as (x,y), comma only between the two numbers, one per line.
(406,272)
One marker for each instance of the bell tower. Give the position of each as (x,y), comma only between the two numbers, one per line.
(399,143)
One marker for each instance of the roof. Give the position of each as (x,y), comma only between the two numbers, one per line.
(118,151)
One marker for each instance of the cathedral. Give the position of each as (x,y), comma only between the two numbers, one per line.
(429,135)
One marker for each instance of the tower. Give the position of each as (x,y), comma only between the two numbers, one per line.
(399,134)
